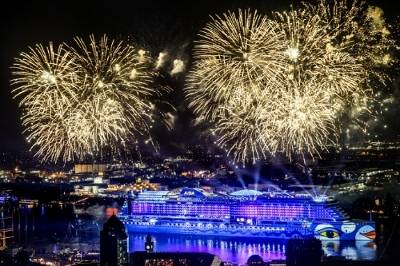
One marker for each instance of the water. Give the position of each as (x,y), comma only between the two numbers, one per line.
(47,229)
(237,250)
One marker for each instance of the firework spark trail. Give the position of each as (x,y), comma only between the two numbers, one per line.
(244,126)
(44,81)
(44,70)
(282,84)
(115,81)
(308,119)
(235,47)
(80,99)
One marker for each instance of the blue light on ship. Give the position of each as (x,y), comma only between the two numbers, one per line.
(246,213)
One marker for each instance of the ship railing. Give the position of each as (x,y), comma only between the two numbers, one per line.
(176,218)
(210,225)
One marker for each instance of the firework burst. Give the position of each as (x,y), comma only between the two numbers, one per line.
(44,70)
(239,53)
(115,86)
(82,99)
(244,128)
(282,84)
(45,84)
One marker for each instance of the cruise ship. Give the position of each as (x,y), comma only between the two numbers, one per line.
(244,213)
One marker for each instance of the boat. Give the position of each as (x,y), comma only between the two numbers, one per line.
(244,213)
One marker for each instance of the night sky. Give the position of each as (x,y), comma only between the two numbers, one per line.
(157,25)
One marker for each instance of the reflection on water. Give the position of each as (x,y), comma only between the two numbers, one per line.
(233,250)
(237,250)
(352,250)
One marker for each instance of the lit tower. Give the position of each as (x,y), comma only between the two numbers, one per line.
(113,243)
(6,228)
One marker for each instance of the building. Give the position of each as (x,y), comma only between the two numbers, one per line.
(6,228)
(86,263)
(255,260)
(89,168)
(113,243)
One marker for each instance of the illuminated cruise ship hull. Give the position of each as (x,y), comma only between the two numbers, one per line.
(271,217)
(334,231)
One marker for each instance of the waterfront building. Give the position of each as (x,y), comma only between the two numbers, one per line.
(6,227)
(113,243)
(255,260)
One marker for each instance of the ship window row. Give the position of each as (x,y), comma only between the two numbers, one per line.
(180,206)
(266,211)
(281,212)
(160,209)
(257,211)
